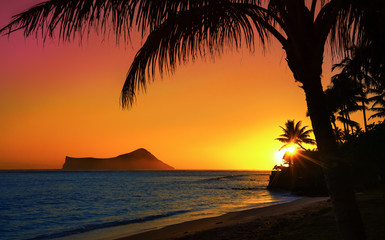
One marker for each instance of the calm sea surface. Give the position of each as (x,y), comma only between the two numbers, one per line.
(106,204)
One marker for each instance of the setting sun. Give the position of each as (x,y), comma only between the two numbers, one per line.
(290,149)
(279,156)
(280,153)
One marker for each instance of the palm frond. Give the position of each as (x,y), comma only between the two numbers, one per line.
(309,141)
(178,29)
(348,121)
(282,139)
(73,17)
(304,132)
(284,146)
(201,31)
(378,99)
(380,114)
(299,144)
(378,102)
(295,134)
(357,24)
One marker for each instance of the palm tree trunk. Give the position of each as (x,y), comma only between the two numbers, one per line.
(333,121)
(344,118)
(349,124)
(346,126)
(364,113)
(336,170)
(306,65)
(363,105)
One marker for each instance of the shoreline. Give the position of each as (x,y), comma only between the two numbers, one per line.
(224,222)
(129,230)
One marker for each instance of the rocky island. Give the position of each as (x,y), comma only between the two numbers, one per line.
(140,159)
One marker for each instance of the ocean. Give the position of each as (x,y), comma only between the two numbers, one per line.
(108,204)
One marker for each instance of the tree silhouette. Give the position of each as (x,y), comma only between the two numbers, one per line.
(378,105)
(179,30)
(361,80)
(355,69)
(338,133)
(341,98)
(372,47)
(293,133)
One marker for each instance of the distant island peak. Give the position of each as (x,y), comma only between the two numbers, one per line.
(140,159)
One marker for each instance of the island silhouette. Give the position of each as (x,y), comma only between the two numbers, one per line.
(140,159)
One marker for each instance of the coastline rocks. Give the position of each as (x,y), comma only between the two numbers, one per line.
(140,159)
(304,177)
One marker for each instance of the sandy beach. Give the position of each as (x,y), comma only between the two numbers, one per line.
(245,224)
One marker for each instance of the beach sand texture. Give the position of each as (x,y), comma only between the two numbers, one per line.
(248,222)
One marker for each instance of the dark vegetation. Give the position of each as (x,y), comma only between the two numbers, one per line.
(303,176)
(295,134)
(366,154)
(303,172)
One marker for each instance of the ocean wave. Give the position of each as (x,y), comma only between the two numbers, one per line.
(243,177)
(249,188)
(46,206)
(92,227)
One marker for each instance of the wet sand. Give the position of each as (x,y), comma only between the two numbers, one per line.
(247,224)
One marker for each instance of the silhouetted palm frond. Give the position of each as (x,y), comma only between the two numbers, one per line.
(380,113)
(73,17)
(181,30)
(379,101)
(175,30)
(295,134)
(200,32)
(348,121)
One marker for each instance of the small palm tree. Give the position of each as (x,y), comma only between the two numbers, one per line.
(294,134)
(341,98)
(345,119)
(378,105)
(355,70)
(339,134)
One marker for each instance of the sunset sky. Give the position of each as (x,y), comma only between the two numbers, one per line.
(62,99)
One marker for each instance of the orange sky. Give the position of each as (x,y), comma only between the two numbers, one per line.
(63,99)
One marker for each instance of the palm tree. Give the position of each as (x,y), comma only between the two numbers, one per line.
(373,45)
(338,133)
(294,134)
(355,70)
(341,99)
(344,118)
(366,73)
(180,30)
(378,105)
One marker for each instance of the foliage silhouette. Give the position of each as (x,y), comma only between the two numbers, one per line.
(366,155)
(354,69)
(378,103)
(295,134)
